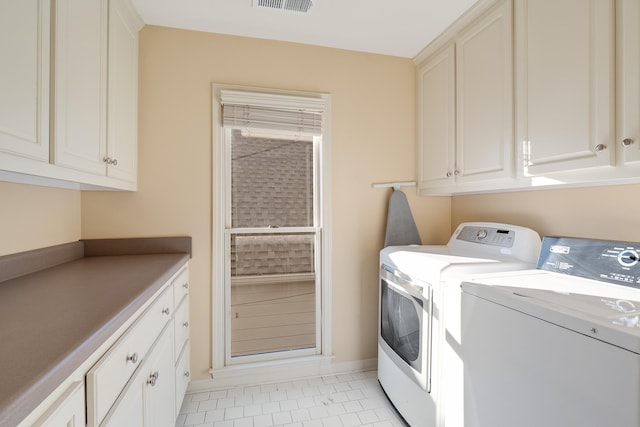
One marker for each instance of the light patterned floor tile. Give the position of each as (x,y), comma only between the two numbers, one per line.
(345,400)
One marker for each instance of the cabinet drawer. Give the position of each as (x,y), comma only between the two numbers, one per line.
(181,285)
(108,377)
(181,326)
(183,373)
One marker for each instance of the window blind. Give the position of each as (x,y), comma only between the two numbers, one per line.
(284,113)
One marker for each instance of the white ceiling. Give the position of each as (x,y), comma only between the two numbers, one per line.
(390,27)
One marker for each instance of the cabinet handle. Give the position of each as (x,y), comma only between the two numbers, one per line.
(110,161)
(187,374)
(133,358)
(186,324)
(166,311)
(627,142)
(152,379)
(600,148)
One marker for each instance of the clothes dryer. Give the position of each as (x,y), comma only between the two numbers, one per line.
(419,365)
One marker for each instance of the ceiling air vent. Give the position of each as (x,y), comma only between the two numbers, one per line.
(301,6)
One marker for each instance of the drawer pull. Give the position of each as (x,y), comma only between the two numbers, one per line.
(186,324)
(185,285)
(152,379)
(187,374)
(133,358)
(166,311)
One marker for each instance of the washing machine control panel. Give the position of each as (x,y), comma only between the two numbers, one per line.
(609,261)
(487,235)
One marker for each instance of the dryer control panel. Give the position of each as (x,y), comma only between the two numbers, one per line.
(609,261)
(503,237)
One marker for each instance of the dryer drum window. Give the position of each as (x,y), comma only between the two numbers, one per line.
(400,324)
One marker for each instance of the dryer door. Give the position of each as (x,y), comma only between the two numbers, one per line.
(405,325)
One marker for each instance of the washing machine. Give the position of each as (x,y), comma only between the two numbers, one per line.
(556,346)
(419,365)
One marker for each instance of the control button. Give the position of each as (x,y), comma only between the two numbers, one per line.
(628,258)
(481,234)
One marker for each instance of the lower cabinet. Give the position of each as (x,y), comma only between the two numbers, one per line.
(148,399)
(183,373)
(67,411)
(141,380)
(137,378)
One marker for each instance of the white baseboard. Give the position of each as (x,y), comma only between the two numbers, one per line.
(278,371)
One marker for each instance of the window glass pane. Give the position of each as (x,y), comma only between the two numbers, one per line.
(273,293)
(272,180)
(258,254)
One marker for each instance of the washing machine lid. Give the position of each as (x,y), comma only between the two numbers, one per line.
(607,312)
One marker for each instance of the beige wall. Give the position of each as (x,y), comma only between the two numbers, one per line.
(609,213)
(372,141)
(34,217)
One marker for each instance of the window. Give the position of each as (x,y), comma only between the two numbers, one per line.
(270,226)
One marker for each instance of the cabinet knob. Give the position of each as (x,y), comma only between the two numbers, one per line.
(186,324)
(152,379)
(627,142)
(166,311)
(187,374)
(133,358)
(456,172)
(114,162)
(449,174)
(600,148)
(185,285)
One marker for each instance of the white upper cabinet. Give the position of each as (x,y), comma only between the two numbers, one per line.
(565,98)
(80,125)
(24,79)
(96,88)
(465,108)
(68,93)
(628,82)
(436,120)
(122,113)
(484,98)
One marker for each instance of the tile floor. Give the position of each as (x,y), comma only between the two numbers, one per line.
(332,401)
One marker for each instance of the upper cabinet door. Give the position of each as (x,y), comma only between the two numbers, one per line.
(436,119)
(122,113)
(628,78)
(565,84)
(484,94)
(24,78)
(80,84)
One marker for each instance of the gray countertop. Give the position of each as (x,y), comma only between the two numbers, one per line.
(52,320)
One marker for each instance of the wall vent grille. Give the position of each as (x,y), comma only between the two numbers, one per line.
(301,6)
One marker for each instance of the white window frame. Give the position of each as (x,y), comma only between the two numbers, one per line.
(221,162)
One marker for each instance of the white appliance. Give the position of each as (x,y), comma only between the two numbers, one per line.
(557,346)
(419,318)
